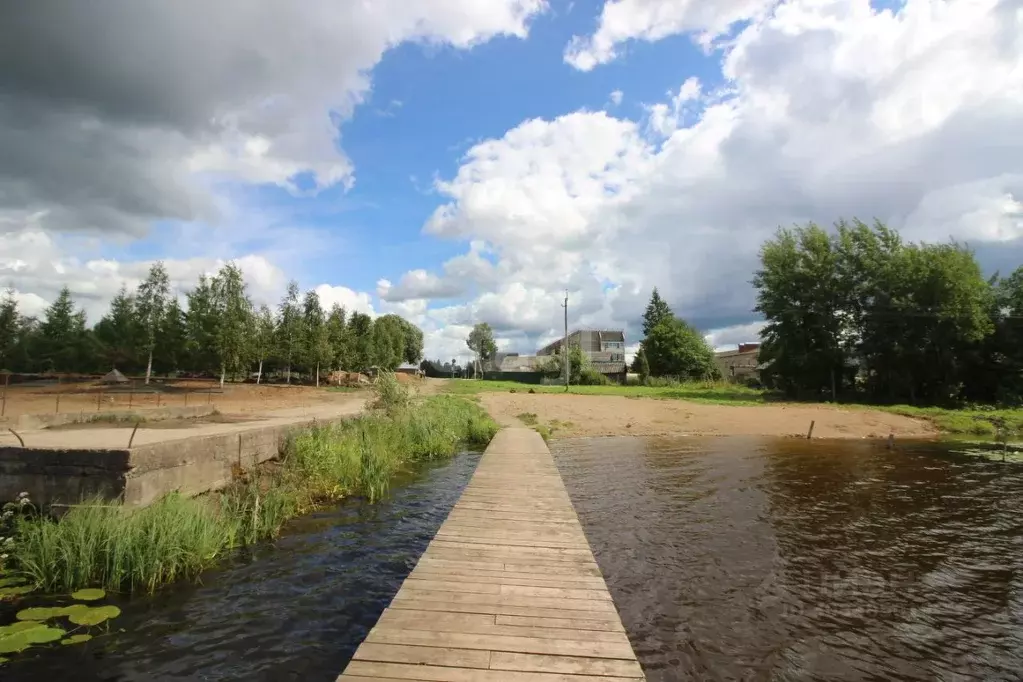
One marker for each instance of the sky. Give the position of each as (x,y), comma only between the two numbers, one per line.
(463,161)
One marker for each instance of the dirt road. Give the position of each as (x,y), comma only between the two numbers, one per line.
(117,436)
(584,415)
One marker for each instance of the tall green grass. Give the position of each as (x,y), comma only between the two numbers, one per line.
(96,544)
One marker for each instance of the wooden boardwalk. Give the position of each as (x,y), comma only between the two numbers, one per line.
(508,590)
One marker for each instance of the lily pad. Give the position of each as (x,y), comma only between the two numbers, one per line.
(94,616)
(76,639)
(7,582)
(16,591)
(23,639)
(18,627)
(37,613)
(88,595)
(2,660)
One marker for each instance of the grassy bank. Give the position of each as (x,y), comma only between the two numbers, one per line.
(97,545)
(712,392)
(976,421)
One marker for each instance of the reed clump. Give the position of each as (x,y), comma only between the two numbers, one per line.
(176,538)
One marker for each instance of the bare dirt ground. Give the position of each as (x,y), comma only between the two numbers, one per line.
(584,415)
(90,397)
(117,436)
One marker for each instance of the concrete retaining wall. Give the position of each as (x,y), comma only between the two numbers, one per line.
(141,475)
(29,422)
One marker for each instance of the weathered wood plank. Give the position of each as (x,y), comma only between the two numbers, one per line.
(507,591)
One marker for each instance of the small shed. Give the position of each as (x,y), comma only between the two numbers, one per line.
(113,377)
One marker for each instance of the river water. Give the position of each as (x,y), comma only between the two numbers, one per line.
(786,559)
(294,611)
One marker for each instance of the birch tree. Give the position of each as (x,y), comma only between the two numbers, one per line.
(315,333)
(233,330)
(264,337)
(289,330)
(151,303)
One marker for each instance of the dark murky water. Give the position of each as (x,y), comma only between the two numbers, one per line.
(296,611)
(741,559)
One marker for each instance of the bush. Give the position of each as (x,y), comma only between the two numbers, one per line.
(391,395)
(591,377)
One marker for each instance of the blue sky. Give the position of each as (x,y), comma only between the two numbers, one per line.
(429,104)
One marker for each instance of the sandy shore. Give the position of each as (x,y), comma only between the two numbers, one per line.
(585,415)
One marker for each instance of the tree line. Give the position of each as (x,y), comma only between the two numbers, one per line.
(218,332)
(859,312)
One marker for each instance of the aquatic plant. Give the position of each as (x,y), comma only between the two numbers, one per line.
(31,628)
(175,538)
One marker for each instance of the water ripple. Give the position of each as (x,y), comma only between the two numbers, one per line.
(782,559)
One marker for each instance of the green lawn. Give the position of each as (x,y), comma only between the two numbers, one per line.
(974,421)
(720,393)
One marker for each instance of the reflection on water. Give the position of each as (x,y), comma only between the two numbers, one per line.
(784,559)
(296,611)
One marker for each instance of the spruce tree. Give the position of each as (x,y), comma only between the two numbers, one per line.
(657,310)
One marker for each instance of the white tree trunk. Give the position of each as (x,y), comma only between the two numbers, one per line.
(223,374)
(259,374)
(149,367)
(289,372)
(317,375)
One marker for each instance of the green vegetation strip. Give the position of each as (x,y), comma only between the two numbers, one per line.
(177,538)
(712,392)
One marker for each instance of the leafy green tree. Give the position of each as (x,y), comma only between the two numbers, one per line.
(264,337)
(802,296)
(337,337)
(289,327)
(172,350)
(201,321)
(657,310)
(151,302)
(389,341)
(10,326)
(118,333)
(316,334)
(413,351)
(56,331)
(674,348)
(481,342)
(642,365)
(233,329)
(360,332)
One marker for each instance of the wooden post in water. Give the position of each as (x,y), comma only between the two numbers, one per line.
(131,394)
(99,399)
(209,394)
(809,434)
(891,441)
(186,397)
(56,406)
(158,399)
(3,403)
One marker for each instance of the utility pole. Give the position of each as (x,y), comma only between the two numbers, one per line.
(564,344)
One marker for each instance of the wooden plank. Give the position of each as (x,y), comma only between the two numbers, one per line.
(507,591)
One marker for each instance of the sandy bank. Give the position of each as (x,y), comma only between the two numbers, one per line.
(587,415)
